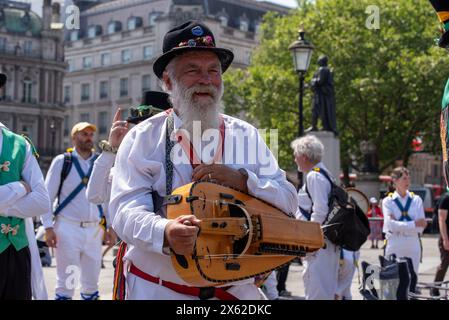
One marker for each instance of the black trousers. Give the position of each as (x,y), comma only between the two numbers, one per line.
(15,274)
(281,276)
(442,268)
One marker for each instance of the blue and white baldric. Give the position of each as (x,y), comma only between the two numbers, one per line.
(83,184)
(404,211)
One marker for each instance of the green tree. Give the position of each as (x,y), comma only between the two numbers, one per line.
(389,81)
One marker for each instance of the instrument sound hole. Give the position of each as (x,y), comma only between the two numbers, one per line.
(182,261)
(236,212)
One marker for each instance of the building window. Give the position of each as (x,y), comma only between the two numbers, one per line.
(147,52)
(102,122)
(2,43)
(84,117)
(257,26)
(66,126)
(105,59)
(85,92)
(123,87)
(114,26)
(87,62)
(74,35)
(126,56)
(28,46)
(28,130)
(134,22)
(67,94)
(146,82)
(244,25)
(223,21)
(247,57)
(27,87)
(70,65)
(152,18)
(93,31)
(103,89)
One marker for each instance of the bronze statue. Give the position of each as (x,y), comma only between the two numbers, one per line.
(323,102)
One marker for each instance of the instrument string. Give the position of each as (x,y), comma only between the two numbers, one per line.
(247,207)
(225,256)
(261,211)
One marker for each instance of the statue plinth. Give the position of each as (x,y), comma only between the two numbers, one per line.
(368,183)
(331,157)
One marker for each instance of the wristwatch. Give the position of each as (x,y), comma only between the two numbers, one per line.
(106,147)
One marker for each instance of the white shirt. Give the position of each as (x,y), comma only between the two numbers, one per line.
(14,201)
(319,189)
(79,209)
(392,214)
(139,169)
(99,187)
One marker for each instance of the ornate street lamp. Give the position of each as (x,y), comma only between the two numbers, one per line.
(302,52)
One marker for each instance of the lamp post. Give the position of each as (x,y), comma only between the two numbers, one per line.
(302,52)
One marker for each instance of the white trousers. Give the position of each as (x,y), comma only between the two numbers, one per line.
(270,286)
(78,257)
(405,247)
(141,289)
(346,270)
(320,274)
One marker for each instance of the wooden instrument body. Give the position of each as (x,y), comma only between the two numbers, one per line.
(240,236)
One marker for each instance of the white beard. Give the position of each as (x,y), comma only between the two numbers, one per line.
(190,109)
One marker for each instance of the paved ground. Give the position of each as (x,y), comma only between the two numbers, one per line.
(426,270)
(294,280)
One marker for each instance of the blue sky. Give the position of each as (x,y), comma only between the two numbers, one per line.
(287,3)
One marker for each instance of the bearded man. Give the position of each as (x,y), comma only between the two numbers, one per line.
(73,227)
(191,68)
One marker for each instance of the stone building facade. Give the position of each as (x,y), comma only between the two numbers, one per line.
(111,57)
(32,57)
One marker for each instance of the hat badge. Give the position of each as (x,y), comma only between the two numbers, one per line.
(197,31)
(191,43)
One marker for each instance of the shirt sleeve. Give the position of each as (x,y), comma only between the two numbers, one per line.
(9,194)
(420,213)
(390,223)
(52,181)
(268,182)
(319,189)
(37,201)
(131,203)
(97,188)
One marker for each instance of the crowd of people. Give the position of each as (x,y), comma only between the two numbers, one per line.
(90,199)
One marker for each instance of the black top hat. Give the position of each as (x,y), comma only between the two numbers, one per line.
(152,103)
(192,35)
(2,79)
(442,9)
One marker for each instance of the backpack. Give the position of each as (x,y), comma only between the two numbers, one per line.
(66,166)
(346,225)
(394,279)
